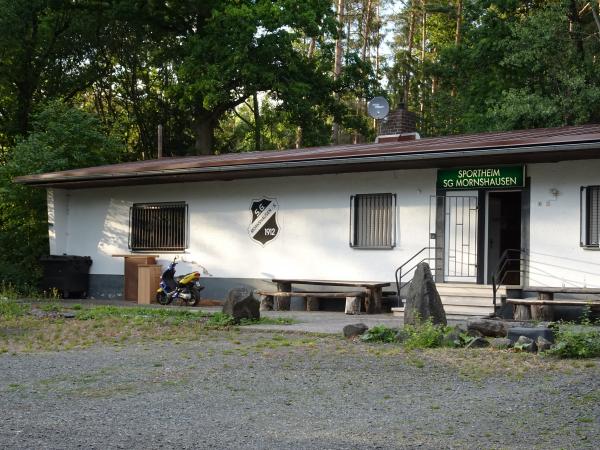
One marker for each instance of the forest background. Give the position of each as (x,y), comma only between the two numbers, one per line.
(87,82)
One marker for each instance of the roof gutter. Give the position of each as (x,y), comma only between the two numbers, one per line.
(349,160)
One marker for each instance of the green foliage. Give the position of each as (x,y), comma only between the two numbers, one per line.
(62,138)
(574,342)
(9,306)
(379,333)
(424,335)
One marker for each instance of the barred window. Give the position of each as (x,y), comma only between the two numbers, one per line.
(158,226)
(590,216)
(373,221)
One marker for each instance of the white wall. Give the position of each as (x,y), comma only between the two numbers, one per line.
(314,216)
(556,256)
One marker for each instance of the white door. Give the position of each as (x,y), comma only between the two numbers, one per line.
(460,243)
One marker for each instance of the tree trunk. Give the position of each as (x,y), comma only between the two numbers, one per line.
(337,64)
(204,129)
(257,124)
(411,35)
(457,34)
(423,40)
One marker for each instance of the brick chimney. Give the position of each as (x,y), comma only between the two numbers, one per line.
(399,125)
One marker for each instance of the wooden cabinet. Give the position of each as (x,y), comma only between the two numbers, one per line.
(148,281)
(131,273)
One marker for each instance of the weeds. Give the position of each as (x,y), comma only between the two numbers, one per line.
(424,335)
(379,333)
(9,306)
(576,343)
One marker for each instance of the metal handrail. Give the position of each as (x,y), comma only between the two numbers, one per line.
(500,273)
(398,274)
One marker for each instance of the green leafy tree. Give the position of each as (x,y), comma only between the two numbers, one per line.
(62,138)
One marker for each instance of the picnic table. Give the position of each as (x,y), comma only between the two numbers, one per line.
(371,291)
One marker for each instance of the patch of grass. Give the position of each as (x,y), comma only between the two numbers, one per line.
(140,313)
(219,320)
(424,335)
(269,321)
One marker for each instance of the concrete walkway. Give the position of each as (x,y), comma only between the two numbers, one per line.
(328,322)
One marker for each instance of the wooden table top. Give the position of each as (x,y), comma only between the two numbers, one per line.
(367,284)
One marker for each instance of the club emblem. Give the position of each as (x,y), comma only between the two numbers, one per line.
(263,227)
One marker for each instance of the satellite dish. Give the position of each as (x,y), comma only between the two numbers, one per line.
(378,107)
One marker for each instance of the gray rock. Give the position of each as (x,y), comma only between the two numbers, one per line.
(474,333)
(68,315)
(478,342)
(423,301)
(525,344)
(266,303)
(355,329)
(241,304)
(532,333)
(500,343)
(543,344)
(488,327)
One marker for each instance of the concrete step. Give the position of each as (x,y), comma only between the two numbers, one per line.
(472,290)
(467,301)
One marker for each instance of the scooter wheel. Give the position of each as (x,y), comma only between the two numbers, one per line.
(163,298)
(195,298)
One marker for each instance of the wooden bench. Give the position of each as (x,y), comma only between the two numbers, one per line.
(372,290)
(542,308)
(280,300)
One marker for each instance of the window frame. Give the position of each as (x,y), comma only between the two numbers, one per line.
(161,248)
(353,238)
(585,205)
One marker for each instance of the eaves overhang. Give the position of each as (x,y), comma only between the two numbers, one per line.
(522,154)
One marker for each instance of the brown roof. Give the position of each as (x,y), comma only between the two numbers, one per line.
(550,144)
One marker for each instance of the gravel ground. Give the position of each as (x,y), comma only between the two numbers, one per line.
(254,389)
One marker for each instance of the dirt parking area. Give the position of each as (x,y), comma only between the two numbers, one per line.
(254,389)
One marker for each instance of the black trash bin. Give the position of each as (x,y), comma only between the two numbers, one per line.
(67,273)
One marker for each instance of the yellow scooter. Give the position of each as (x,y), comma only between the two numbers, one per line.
(186,287)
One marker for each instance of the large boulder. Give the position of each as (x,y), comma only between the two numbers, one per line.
(531,332)
(355,329)
(488,327)
(423,302)
(241,304)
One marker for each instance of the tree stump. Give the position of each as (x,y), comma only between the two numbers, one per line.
(522,312)
(312,303)
(543,312)
(352,305)
(266,304)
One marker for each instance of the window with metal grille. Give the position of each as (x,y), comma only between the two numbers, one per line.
(373,221)
(590,216)
(158,226)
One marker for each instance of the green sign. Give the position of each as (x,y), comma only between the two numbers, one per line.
(481,178)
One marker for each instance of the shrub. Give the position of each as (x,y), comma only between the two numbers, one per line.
(576,343)
(424,335)
(379,333)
